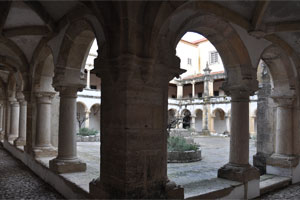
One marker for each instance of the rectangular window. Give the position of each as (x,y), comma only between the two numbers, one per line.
(213,57)
(93,87)
(199,94)
(216,93)
(189,61)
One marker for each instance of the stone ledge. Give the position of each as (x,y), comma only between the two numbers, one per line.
(283,161)
(94,138)
(238,173)
(184,157)
(269,182)
(213,188)
(66,166)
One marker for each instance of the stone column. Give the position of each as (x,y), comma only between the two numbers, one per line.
(14,119)
(238,168)
(212,123)
(88,79)
(1,122)
(179,90)
(87,116)
(206,106)
(193,89)
(43,146)
(66,160)
(251,123)
(21,140)
(193,122)
(131,106)
(227,118)
(7,121)
(283,162)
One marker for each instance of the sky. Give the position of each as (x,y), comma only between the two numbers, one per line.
(191,36)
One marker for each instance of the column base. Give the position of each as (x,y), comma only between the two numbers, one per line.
(206,132)
(240,173)
(67,166)
(260,162)
(20,142)
(246,174)
(11,138)
(99,191)
(39,152)
(174,191)
(283,165)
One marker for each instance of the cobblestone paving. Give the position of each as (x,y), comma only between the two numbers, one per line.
(215,154)
(18,182)
(291,192)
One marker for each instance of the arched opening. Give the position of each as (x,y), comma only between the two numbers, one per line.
(186,119)
(219,121)
(82,116)
(95,118)
(198,120)
(172,120)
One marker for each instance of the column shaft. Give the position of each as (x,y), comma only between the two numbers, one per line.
(66,160)
(239,139)
(8,113)
(14,120)
(21,140)
(43,124)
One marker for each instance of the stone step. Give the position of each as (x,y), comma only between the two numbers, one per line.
(215,188)
(270,182)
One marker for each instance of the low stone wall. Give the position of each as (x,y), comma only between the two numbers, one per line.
(92,138)
(185,156)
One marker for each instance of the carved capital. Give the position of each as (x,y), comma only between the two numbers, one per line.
(284,101)
(44,97)
(68,91)
(65,76)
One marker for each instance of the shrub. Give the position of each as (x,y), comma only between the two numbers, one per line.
(87,132)
(180,144)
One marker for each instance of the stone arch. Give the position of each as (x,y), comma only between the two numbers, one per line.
(172,113)
(95,117)
(43,69)
(193,16)
(186,118)
(282,72)
(219,120)
(73,53)
(198,120)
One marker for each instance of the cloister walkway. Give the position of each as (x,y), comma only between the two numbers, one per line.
(19,182)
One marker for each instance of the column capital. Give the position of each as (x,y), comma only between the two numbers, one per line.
(283,101)
(44,97)
(239,92)
(68,91)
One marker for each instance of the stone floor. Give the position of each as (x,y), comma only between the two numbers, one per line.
(290,192)
(19,182)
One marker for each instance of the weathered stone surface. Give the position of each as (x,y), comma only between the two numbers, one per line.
(186,156)
(18,182)
(238,173)
(61,166)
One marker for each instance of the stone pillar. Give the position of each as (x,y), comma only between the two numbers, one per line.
(14,120)
(193,89)
(179,90)
(227,118)
(238,168)
(87,116)
(7,121)
(193,122)
(212,123)
(43,146)
(283,162)
(66,160)
(21,140)
(251,123)
(88,79)
(1,122)
(136,111)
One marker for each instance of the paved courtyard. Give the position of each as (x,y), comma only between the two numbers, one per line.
(19,182)
(215,153)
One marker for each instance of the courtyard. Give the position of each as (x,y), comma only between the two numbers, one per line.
(215,153)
